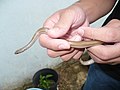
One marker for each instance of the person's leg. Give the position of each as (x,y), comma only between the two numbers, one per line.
(98,80)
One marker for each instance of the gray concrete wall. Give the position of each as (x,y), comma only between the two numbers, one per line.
(19,19)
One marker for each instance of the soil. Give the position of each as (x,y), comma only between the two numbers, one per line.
(72,75)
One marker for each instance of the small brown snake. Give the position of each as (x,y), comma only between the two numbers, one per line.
(74,44)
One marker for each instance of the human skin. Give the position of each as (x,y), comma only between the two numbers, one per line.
(67,23)
(110,34)
(65,28)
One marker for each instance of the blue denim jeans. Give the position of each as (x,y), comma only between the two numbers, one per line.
(98,80)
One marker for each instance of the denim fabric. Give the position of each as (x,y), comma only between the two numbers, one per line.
(98,80)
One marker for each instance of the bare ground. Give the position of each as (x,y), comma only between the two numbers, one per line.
(72,75)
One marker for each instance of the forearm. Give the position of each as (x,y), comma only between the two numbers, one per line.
(95,9)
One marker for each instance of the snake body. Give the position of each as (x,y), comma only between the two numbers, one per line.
(32,41)
(74,44)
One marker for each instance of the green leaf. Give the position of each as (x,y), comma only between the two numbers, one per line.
(45,82)
(49,75)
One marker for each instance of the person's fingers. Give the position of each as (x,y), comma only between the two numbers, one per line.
(52,20)
(54,44)
(106,52)
(53,53)
(103,34)
(79,31)
(114,61)
(68,56)
(110,61)
(61,27)
(77,55)
(113,23)
(68,18)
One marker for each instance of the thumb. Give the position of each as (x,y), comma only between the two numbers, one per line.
(62,26)
(103,34)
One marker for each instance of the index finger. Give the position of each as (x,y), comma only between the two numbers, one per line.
(103,34)
(53,44)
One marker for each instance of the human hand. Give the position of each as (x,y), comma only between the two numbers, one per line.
(110,34)
(63,25)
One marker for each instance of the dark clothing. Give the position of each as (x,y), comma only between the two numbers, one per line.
(98,80)
(112,70)
(115,14)
(104,76)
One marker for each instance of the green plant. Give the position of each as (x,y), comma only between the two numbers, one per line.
(45,82)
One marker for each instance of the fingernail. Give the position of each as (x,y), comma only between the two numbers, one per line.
(63,46)
(81,31)
(76,38)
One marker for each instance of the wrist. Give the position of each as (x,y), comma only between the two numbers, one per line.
(88,10)
(95,9)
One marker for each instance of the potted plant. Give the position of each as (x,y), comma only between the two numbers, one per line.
(46,79)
